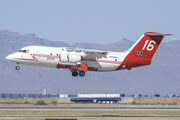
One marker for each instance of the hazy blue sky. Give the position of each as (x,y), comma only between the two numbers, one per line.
(91,21)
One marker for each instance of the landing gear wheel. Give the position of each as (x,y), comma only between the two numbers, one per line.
(17,67)
(74,73)
(82,73)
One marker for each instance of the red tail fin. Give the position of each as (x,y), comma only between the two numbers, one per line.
(143,50)
(147,45)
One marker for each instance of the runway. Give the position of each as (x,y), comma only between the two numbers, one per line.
(88,107)
(107,112)
(90,117)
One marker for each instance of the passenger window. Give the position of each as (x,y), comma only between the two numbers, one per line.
(50,53)
(24,51)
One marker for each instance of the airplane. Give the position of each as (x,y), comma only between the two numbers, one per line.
(79,61)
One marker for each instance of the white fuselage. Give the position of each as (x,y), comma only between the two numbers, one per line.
(59,57)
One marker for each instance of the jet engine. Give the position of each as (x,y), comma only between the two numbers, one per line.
(69,58)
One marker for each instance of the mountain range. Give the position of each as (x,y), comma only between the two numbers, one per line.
(161,77)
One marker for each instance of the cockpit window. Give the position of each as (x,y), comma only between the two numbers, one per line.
(24,51)
(20,51)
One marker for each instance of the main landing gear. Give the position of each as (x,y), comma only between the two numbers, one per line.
(79,69)
(75,73)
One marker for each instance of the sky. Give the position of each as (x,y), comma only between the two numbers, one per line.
(91,21)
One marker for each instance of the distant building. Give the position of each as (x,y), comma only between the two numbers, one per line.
(96,100)
(45,91)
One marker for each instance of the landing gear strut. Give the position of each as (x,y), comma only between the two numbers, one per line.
(17,67)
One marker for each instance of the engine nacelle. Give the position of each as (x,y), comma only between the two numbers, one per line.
(69,58)
(74,58)
(63,58)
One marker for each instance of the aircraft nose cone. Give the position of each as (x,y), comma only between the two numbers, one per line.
(8,57)
(12,57)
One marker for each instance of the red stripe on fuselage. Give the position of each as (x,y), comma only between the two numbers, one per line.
(33,56)
(25,59)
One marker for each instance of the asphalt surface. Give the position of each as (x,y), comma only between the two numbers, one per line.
(57,107)
(103,117)
(90,117)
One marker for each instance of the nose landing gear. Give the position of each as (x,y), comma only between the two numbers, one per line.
(17,67)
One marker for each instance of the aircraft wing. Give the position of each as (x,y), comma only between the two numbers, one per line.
(95,54)
(90,54)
